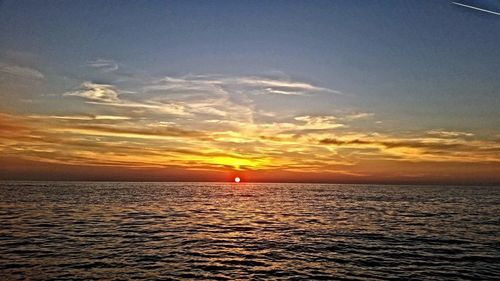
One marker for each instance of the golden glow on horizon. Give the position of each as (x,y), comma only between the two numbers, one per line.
(237,179)
(120,142)
(236,163)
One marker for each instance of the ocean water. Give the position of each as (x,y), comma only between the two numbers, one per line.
(171,231)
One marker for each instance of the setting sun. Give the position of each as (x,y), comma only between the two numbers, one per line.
(237,179)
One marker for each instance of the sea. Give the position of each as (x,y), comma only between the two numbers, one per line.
(247,231)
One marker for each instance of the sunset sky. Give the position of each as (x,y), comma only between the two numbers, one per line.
(280,91)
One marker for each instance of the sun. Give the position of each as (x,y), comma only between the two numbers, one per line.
(237,179)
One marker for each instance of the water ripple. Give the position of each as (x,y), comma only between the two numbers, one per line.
(175,231)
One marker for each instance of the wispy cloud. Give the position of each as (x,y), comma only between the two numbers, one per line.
(319,122)
(132,132)
(449,134)
(21,71)
(227,97)
(103,65)
(360,115)
(423,149)
(96,92)
(108,95)
(81,117)
(285,87)
(249,84)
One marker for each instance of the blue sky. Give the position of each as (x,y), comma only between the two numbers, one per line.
(404,56)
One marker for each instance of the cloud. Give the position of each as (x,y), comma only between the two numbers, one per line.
(21,71)
(131,132)
(69,141)
(200,96)
(424,149)
(80,117)
(108,95)
(11,124)
(281,86)
(396,143)
(448,134)
(338,142)
(249,84)
(282,92)
(318,122)
(356,116)
(166,108)
(96,92)
(103,65)
(111,117)
(235,98)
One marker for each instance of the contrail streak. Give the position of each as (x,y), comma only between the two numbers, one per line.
(476,8)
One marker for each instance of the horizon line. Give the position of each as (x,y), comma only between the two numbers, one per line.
(269,182)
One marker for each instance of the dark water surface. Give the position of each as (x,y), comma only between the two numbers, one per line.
(248,231)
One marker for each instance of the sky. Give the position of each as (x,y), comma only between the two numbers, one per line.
(273,91)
